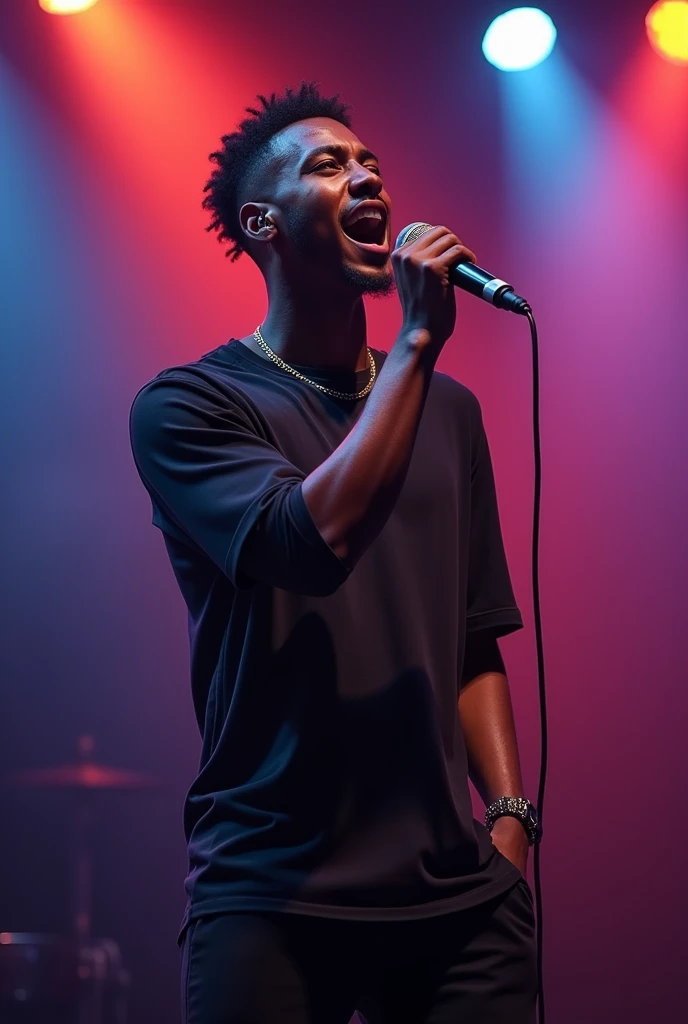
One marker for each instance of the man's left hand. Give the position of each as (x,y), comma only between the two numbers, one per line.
(510,838)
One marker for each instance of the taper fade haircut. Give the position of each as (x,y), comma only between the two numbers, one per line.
(246,153)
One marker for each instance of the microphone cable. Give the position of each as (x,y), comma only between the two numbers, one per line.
(528,313)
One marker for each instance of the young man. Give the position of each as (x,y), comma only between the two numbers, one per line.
(330,514)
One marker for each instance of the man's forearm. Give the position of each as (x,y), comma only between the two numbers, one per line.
(351,495)
(487,721)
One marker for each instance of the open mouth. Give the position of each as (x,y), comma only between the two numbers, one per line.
(367,226)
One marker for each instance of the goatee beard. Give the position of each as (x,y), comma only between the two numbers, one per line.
(378,286)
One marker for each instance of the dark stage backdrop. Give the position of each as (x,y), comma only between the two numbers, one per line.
(571,181)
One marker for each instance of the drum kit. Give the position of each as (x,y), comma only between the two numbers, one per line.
(69,979)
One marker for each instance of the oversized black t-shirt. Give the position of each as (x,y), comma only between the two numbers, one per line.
(333,778)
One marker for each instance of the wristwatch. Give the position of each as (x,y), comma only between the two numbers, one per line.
(516,807)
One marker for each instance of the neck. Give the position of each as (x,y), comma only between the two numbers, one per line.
(307,329)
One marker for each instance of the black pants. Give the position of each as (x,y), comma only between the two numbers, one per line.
(473,966)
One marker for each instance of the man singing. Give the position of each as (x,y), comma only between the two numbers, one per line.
(330,514)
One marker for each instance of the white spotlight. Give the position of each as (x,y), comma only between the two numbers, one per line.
(519,39)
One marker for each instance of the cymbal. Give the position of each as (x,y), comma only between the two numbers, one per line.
(83,775)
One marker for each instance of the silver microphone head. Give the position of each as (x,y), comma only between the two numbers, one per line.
(411,232)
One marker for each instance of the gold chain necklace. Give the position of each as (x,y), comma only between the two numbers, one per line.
(328,391)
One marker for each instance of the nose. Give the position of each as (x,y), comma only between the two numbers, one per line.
(364,182)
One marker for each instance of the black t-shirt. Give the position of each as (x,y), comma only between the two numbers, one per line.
(333,778)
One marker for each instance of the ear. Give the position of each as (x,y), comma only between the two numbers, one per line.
(257,222)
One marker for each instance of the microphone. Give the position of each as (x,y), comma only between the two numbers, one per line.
(466,275)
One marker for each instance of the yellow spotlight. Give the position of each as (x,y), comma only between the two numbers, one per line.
(66,6)
(667,30)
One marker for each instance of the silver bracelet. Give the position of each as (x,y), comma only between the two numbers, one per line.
(515,807)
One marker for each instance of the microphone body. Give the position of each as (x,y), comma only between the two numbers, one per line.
(470,278)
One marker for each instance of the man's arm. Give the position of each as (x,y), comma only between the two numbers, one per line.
(487,721)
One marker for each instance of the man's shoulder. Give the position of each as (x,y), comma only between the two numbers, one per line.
(444,388)
(208,375)
(455,394)
(184,397)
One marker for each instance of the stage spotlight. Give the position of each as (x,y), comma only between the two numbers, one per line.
(667,30)
(66,6)
(519,39)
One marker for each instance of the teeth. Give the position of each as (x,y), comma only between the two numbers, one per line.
(372,214)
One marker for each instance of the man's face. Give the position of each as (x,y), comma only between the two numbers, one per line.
(335,215)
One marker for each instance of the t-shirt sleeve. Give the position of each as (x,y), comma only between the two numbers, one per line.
(491,602)
(206,466)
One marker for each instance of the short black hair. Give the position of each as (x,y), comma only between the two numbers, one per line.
(244,151)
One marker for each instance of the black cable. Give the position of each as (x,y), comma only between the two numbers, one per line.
(540,653)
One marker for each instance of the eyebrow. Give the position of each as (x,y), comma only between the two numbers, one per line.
(339,150)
